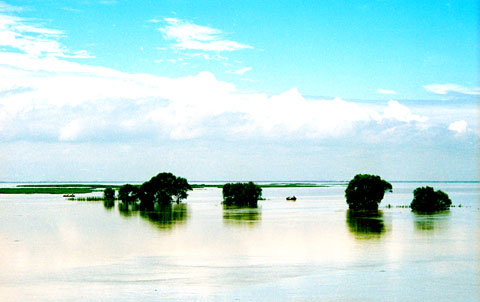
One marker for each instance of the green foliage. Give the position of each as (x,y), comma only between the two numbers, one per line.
(241,194)
(426,199)
(163,189)
(88,198)
(272,185)
(64,189)
(128,193)
(109,194)
(365,192)
(46,190)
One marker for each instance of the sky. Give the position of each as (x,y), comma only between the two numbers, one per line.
(239,90)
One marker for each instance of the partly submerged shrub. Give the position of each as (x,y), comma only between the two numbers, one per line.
(241,194)
(365,192)
(426,199)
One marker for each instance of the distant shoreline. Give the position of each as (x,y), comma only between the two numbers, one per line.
(97,187)
(120,182)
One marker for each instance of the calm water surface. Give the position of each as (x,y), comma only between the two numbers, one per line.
(309,250)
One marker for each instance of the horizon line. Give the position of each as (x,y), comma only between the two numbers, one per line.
(225,181)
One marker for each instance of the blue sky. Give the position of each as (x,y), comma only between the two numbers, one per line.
(238,90)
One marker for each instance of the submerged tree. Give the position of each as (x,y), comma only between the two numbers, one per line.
(163,189)
(109,198)
(241,194)
(365,192)
(128,193)
(426,199)
(109,194)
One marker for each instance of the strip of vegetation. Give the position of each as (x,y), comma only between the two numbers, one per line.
(52,190)
(90,198)
(270,185)
(65,189)
(90,186)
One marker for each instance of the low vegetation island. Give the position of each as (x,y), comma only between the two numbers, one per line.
(241,194)
(427,200)
(365,192)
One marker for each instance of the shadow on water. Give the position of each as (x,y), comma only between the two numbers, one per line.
(366,224)
(109,204)
(241,216)
(431,221)
(163,218)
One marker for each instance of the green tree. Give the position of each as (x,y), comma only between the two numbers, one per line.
(163,189)
(426,199)
(109,194)
(241,194)
(109,198)
(365,192)
(128,193)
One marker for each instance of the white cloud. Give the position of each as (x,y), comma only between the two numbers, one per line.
(449,88)
(399,112)
(385,91)
(5,7)
(459,127)
(71,131)
(195,37)
(54,98)
(242,71)
(33,39)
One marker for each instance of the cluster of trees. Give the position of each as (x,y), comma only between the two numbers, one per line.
(241,194)
(365,192)
(160,191)
(109,198)
(426,199)
(165,188)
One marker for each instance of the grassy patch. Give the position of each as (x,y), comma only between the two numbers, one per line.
(90,188)
(56,189)
(271,185)
(93,186)
(52,190)
(90,198)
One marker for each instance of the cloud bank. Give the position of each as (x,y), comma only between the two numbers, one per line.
(52,99)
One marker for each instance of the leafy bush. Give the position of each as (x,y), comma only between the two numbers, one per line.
(163,189)
(241,194)
(426,199)
(109,194)
(128,193)
(365,192)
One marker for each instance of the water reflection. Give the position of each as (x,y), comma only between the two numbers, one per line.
(430,222)
(163,218)
(109,204)
(366,224)
(241,216)
(167,217)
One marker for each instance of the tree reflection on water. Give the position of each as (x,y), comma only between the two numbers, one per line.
(164,217)
(241,216)
(366,224)
(109,204)
(431,221)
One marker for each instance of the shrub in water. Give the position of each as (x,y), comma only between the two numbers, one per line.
(426,199)
(365,192)
(241,194)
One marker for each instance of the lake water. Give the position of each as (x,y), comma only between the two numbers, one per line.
(52,249)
